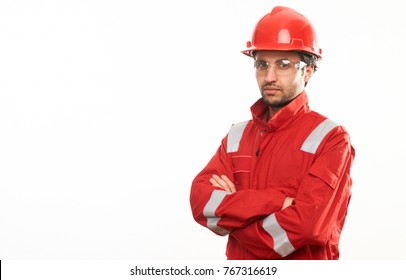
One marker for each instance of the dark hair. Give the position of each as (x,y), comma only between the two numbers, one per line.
(309,59)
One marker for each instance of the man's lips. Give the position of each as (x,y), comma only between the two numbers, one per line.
(270,89)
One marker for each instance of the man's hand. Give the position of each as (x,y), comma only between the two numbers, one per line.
(288,202)
(223,182)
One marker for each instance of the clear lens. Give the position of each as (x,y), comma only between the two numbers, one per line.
(282,66)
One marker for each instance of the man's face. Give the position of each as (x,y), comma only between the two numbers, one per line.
(280,82)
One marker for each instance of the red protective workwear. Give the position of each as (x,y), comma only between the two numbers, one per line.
(298,153)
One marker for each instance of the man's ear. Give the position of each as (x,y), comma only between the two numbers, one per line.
(309,70)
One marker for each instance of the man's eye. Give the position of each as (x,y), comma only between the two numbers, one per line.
(283,64)
(261,64)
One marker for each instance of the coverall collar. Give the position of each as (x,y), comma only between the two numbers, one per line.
(284,117)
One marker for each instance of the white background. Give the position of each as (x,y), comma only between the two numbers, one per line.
(108,109)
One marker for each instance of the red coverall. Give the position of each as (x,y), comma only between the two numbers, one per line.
(297,153)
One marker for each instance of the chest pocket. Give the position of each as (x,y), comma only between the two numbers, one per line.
(241,170)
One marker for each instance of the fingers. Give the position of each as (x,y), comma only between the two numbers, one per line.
(287,202)
(218,182)
(229,183)
(223,182)
(214,182)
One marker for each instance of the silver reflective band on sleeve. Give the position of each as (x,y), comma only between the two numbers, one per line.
(313,141)
(282,245)
(209,211)
(234,136)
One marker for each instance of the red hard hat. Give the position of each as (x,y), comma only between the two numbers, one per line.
(284,29)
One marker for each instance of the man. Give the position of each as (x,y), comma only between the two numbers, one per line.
(279,185)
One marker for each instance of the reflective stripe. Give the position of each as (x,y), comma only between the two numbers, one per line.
(234,136)
(209,211)
(314,139)
(282,245)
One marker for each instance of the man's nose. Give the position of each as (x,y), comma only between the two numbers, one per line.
(270,75)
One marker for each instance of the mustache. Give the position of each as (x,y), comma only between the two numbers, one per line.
(270,85)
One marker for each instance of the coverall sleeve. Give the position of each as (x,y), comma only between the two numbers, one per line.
(222,212)
(318,211)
